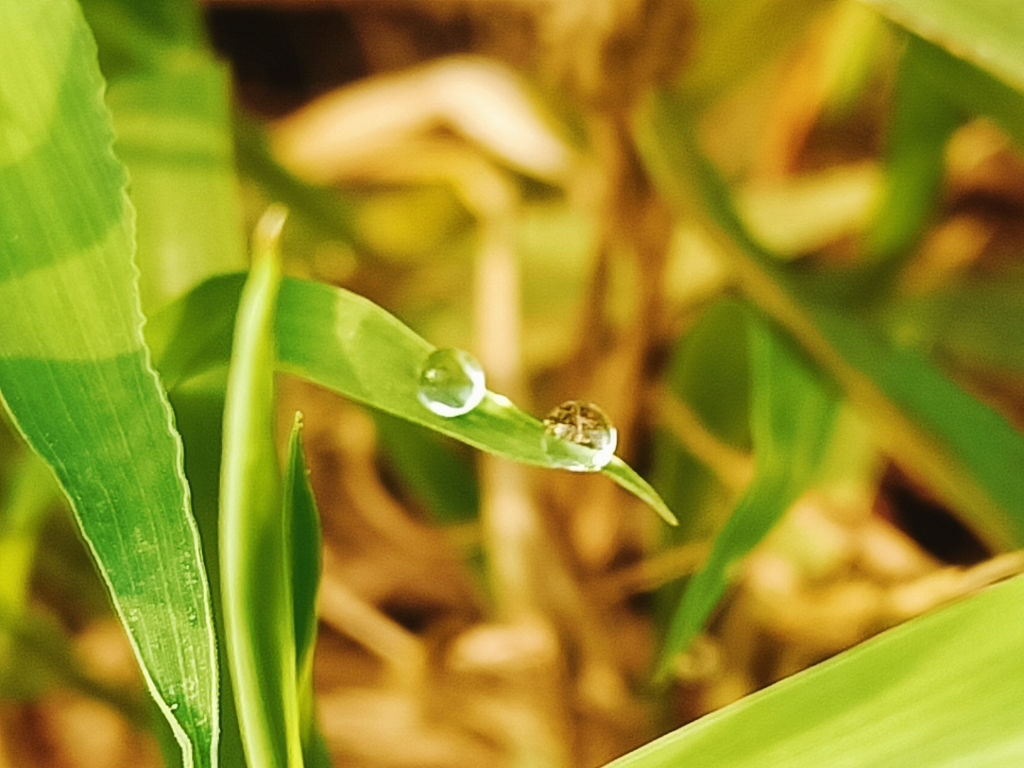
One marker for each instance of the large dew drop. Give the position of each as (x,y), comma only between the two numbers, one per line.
(451,382)
(579,436)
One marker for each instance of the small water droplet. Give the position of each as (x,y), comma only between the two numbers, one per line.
(451,382)
(579,436)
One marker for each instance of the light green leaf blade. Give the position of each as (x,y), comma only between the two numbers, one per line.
(941,690)
(792,413)
(984,32)
(351,346)
(254,568)
(74,372)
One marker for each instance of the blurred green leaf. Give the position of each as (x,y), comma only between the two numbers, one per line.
(171,102)
(736,38)
(256,575)
(976,323)
(922,122)
(31,495)
(984,32)
(174,134)
(709,372)
(792,413)
(435,474)
(965,451)
(74,371)
(936,93)
(943,689)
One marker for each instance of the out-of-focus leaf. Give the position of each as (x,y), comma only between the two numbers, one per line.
(710,374)
(978,323)
(735,38)
(31,495)
(985,32)
(347,132)
(74,371)
(349,345)
(436,476)
(936,93)
(174,134)
(940,690)
(324,210)
(171,102)
(256,575)
(138,37)
(965,451)
(922,123)
(792,413)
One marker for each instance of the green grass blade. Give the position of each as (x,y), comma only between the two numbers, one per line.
(967,453)
(301,530)
(941,690)
(984,32)
(74,371)
(347,344)
(254,571)
(792,413)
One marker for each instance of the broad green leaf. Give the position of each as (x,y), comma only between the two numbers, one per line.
(300,521)
(74,371)
(255,573)
(984,32)
(967,453)
(792,413)
(349,345)
(941,690)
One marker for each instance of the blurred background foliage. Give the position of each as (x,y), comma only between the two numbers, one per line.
(505,176)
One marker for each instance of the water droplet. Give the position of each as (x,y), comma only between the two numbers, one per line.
(579,436)
(451,382)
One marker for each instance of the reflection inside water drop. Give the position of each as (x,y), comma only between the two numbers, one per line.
(579,436)
(451,382)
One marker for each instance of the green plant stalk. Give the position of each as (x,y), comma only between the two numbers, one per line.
(257,600)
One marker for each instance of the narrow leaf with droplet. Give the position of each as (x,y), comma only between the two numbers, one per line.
(351,346)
